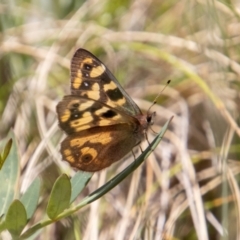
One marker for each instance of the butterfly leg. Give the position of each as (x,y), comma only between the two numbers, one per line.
(146,136)
(140,148)
(133,155)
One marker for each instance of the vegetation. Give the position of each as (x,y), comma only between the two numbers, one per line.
(188,187)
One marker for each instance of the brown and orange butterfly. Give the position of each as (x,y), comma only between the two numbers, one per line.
(101,120)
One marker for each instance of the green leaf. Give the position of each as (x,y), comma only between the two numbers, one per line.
(16,218)
(7,149)
(5,153)
(9,175)
(30,197)
(1,162)
(2,224)
(60,197)
(78,182)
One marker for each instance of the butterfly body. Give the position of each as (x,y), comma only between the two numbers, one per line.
(102,122)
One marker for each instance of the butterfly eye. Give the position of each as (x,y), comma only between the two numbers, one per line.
(149,119)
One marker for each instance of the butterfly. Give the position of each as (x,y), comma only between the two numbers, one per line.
(102,122)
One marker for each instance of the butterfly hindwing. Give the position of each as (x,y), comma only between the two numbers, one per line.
(94,149)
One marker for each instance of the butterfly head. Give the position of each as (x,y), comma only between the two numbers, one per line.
(150,117)
(146,120)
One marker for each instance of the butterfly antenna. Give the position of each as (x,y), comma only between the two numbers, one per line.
(156,98)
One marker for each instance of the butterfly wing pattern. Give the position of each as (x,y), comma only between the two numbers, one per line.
(102,122)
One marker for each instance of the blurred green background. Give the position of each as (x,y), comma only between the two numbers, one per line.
(189,188)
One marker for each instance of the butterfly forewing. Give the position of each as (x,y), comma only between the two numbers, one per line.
(76,114)
(90,78)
